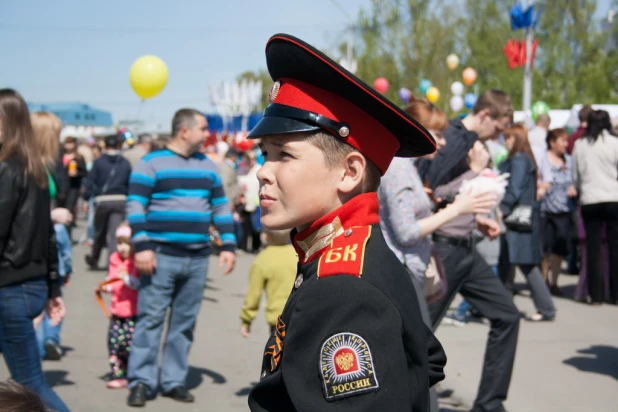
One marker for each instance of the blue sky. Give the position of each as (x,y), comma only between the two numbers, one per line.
(82,50)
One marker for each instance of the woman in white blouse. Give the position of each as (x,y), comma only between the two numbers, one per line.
(596,176)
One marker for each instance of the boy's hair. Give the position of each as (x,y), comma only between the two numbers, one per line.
(17,398)
(496,101)
(277,237)
(335,150)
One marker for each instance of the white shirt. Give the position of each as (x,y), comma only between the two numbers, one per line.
(251,188)
(542,163)
(595,170)
(538,138)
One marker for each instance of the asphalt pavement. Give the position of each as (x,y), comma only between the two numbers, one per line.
(568,365)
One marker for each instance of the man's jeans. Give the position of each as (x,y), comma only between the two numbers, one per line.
(178,283)
(19,305)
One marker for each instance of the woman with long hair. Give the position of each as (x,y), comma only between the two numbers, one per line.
(47,128)
(556,209)
(596,177)
(29,279)
(523,248)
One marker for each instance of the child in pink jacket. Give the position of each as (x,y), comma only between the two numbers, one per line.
(123,306)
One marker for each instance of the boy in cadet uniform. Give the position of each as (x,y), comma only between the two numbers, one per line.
(351,336)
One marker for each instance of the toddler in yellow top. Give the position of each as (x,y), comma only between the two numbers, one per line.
(273,272)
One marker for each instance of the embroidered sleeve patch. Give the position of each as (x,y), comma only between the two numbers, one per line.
(346,366)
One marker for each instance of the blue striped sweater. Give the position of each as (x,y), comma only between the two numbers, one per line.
(173,200)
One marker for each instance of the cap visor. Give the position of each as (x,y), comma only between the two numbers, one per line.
(271,125)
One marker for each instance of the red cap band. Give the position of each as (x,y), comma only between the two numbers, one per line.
(367,135)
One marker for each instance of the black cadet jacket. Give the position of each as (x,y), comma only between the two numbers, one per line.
(351,336)
(27,236)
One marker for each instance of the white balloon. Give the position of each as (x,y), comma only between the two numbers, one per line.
(456,103)
(457,88)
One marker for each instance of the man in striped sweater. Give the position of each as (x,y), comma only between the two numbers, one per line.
(175,195)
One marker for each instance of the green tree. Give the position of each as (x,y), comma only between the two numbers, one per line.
(407,40)
(572,62)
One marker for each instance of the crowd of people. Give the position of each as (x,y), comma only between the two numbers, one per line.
(494,197)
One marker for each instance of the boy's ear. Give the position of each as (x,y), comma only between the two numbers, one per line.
(484,114)
(354,165)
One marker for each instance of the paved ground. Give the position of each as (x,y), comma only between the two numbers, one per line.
(568,365)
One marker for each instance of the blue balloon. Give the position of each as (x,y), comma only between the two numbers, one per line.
(424,85)
(405,94)
(470,100)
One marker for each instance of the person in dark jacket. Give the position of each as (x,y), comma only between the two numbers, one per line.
(108,184)
(29,279)
(519,248)
(466,270)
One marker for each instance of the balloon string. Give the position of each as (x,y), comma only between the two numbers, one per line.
(139,108)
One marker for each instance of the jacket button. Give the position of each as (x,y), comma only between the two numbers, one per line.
(348,232)
(298,281)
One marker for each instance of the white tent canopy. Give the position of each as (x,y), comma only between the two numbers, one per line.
(569,118)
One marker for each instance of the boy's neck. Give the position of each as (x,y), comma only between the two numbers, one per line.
(341,200)
(471,123)
(362,210)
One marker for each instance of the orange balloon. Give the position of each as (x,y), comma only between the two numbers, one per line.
(469,76)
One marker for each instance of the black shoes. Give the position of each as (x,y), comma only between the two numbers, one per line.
(180,394)
(137,396)
(52,351)
(92,265)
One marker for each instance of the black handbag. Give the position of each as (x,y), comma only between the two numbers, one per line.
(520,219)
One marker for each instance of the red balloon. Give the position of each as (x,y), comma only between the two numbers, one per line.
(245,145)
(381,85)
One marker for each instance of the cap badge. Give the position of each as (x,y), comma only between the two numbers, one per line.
(274,91)
(298,281)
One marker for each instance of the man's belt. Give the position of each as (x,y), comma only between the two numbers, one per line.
(467,242)
(110,198)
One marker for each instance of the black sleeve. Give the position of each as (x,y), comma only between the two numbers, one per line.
(334,311)
(450,161)
(8,203)
(436,358)
(53,279)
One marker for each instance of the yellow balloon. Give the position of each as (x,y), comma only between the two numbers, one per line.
(148,76)
(433,94)
(452,61)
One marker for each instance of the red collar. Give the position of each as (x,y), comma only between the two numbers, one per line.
(362,210)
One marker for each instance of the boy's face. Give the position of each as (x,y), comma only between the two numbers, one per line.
(490,127)
(296,187)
